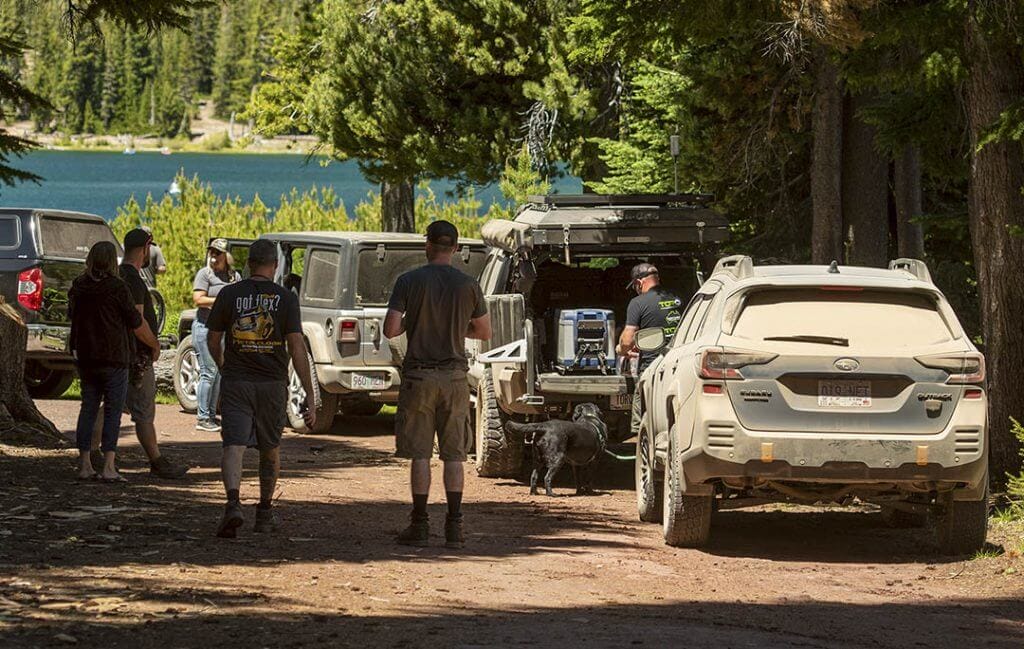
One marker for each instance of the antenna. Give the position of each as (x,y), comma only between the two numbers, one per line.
(673,147)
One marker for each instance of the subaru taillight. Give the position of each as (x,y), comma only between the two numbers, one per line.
(720,364)
(964,369)
(30,288)
(348,331)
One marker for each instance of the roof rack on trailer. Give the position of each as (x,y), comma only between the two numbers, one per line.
(621,200)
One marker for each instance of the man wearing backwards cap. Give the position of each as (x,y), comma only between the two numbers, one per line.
(653,306)
(442,306)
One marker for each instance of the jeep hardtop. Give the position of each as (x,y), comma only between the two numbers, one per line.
(555,283)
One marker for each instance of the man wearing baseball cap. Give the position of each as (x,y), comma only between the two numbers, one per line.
(653,306)
(437,307)
(157,263)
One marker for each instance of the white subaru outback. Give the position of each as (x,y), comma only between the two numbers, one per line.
(815,383)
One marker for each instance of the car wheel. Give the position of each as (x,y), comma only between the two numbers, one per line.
(498,455)
(649,490)
(326,402)
(45,383)
(186,375)
(686,520)
(962,525)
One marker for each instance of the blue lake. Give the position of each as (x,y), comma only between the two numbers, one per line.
(100,182)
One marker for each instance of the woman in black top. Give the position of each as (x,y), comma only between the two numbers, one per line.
(103,320)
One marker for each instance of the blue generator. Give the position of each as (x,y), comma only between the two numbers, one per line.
(586,341)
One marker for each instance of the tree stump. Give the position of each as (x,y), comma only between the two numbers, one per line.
(20,420)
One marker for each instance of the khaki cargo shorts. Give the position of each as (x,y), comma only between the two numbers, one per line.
(429,402)
(140,402)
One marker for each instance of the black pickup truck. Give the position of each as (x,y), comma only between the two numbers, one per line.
(41,253)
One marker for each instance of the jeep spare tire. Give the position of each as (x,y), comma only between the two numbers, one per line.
(326,402)
(186,375)
(498,455)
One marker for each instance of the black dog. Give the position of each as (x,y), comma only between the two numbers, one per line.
(556,442)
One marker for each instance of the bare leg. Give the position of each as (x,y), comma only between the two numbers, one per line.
(420,477)
(109,469)
(270,468)
(454,476)
(84,465)
(147,438)
(231,468)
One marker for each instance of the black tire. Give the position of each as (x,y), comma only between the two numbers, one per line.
(900,519)
(686,521)
(186,375)
(498,455)
(326,402)
(962,525)
(45,383)
(649,490)
(361,408)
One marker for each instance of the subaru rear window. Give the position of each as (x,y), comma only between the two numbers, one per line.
(10,232)
(868,319)
(72,238)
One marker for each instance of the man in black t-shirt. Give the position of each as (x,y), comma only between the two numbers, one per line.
(140,401)
(653,306)
(255,328)
(437,307)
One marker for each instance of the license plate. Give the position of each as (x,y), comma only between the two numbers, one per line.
(844,394)
(368,382)
(621,401)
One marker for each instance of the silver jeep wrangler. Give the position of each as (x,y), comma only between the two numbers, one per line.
(343,281)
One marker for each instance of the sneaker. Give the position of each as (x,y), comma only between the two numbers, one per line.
(453,537)
(266,520)
(417,534)
(208,426)
(233,519)
(216,420)
(164,468)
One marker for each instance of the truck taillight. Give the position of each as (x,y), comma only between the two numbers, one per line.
(30,289)
(963,369)
(348,331)
(721,364)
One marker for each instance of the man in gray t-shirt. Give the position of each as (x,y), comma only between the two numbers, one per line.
(437,307)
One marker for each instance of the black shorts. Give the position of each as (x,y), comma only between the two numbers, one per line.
(253,414)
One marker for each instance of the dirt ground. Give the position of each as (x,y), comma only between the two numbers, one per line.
(92,565)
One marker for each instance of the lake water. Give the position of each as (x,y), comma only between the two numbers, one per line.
(100,182)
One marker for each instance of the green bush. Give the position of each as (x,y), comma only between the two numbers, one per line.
(216,142)
(1015,486)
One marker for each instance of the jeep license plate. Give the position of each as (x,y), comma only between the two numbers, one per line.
(368,382)
(620,401)
(844,394)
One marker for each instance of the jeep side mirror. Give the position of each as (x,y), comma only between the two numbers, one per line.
(651,339)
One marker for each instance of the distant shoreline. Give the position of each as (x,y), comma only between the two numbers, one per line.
(211,142)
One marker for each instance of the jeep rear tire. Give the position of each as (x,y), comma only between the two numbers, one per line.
(962,525)
(686,521)
(498,455)
(649,490)
(186,375)
(326,402)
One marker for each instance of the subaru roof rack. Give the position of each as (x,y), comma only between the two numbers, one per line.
(915,267)
(739,266)
(621,200)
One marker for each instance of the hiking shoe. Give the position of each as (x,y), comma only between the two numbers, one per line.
(453,537)
(266,520)
(165,468)
(233,519)
(208,426)
(417,534)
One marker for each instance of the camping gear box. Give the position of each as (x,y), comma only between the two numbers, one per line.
(586,340)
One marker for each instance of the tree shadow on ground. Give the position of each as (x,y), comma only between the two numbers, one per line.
(194,618)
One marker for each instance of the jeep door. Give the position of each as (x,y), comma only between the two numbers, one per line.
(319,298)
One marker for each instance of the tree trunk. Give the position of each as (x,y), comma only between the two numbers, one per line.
(20,421)
(398,205)
(907,195)
(826,162)
(995,80)
(865,190)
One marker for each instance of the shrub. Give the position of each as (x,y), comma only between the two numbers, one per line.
(1015,486)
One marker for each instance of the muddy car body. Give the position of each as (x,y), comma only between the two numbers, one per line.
(564,262)
(815,383)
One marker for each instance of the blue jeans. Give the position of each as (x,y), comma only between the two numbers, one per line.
(106,384)
(208,387)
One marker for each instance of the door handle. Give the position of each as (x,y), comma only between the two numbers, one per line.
(375,334)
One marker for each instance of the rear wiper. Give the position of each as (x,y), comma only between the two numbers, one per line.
(806,338)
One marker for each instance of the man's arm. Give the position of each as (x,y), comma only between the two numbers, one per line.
(626,340)
(297,350)
(480,328)
(214,343)
(146,335)
(394,325)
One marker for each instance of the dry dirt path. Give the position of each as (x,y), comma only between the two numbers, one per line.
(90,565)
